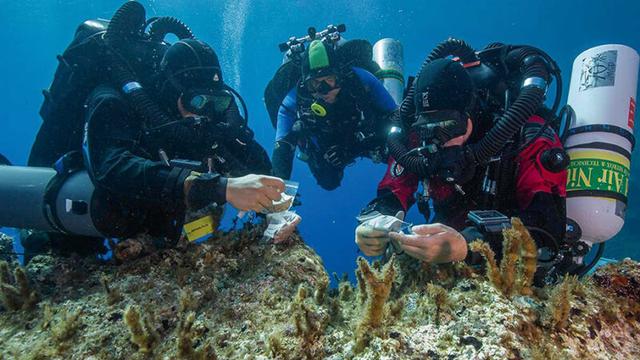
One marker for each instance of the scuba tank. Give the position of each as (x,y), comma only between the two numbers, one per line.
(66,209)
(96,56)
(125,52)
(600,141)
(58,199)
(388,54)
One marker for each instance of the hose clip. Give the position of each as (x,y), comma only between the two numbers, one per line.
(395,130)
(535,81)
(130,87)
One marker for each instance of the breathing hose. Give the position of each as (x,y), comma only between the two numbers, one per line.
(127,23)
(417,163)
(528,61)
(159,29)
(245,110)
(129,20)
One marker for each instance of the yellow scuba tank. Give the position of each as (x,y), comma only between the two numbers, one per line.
(602,93)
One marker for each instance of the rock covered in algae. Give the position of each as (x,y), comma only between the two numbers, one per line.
(237,297)
(6,249)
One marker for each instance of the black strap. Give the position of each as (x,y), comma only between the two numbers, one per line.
(597,193)
(602,146)
(50,197)
(612,129)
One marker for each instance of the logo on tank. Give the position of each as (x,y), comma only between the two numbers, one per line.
(598,70)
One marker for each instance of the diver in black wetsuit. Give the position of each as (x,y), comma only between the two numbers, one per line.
(119,153)
(132,130)
(335,114)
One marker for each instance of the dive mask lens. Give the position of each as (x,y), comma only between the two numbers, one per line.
(221,100)
(199,102)
(440,126)
(323,86)
(207,102)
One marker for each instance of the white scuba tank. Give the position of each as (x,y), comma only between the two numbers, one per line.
(387,53)
(602,92)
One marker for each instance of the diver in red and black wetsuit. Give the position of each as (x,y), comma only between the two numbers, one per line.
(526,178)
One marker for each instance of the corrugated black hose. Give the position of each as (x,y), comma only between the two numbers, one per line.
(527,61)
(159,29)
(396,142)
(128,23)
(524,60)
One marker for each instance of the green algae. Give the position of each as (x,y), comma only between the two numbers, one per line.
(236,297)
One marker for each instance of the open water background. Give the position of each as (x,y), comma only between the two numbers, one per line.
(246,33)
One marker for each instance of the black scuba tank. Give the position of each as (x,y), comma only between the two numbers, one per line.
(99,49)
(83,66)
(77,74)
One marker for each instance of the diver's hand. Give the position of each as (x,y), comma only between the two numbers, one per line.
(254,192)
(283,234)
(371,241)
(435,243)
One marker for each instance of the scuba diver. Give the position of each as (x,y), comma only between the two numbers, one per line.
(151,126)
(473,130)
(335,111)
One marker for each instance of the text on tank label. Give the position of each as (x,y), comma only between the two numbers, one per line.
(597,170)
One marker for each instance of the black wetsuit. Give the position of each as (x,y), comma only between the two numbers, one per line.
(354,126)
(125,166)
(135,191)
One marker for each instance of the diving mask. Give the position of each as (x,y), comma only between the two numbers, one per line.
(438,127)
(206,102)
(323,85)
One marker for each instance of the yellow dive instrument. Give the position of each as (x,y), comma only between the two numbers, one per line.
(318,109)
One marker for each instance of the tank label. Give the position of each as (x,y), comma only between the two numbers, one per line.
(600,171)
(598,70)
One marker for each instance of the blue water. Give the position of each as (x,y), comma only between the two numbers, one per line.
(246,33)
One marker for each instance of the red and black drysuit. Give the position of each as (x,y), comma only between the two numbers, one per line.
(526,190)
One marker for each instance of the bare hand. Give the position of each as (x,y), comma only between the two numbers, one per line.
(435,243)
(254,192)
(371,241)
(283,234)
